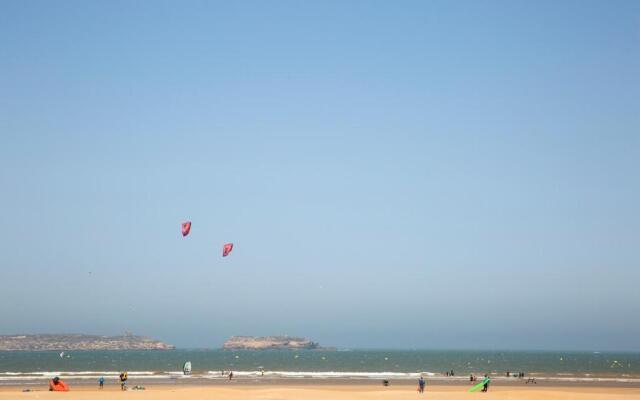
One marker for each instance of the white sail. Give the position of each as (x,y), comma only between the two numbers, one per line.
(186,368)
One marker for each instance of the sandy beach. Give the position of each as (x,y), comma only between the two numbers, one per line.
(321,392)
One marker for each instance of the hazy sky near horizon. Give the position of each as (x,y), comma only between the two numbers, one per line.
(428,174)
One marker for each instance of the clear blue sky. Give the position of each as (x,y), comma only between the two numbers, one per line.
(430,174)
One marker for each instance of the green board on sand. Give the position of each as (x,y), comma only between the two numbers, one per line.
(479,385)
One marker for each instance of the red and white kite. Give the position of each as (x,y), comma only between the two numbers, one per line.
(226,249)
(186,227)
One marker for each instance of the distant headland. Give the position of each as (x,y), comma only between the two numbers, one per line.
(271,342)
(79,342)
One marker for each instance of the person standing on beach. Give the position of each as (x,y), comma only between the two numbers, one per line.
(230,375)
(421,383)
(101,382)
(123,380)
(485,387)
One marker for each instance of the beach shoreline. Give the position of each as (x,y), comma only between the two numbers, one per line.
(85,384)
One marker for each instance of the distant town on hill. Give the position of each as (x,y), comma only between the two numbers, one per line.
(79,342)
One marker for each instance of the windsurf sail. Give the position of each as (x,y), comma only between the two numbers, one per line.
(186,368)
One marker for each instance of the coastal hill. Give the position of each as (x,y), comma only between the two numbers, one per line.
(79,342)
(269,342)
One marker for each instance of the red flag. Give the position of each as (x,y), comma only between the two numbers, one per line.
(186,227)
(226,249)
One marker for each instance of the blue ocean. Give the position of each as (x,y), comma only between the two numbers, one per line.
(17,367)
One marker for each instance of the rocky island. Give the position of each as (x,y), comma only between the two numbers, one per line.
(79,342)
(270,342)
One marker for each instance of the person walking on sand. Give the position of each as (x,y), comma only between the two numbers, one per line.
(101,382)
(123,380)
(485,387)
(230,375)
(421,383)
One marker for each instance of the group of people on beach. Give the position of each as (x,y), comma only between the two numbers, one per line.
(472,378)
(123,381)
(421,382)
(124,376)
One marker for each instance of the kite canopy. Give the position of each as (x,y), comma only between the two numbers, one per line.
(57,385)
(186,227)
(226,249)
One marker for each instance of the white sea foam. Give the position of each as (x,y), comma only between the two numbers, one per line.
(320,374)
(10,376)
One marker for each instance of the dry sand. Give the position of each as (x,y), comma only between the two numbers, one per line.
(339,392)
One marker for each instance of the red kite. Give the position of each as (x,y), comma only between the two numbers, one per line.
(226,249)
(186,227)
